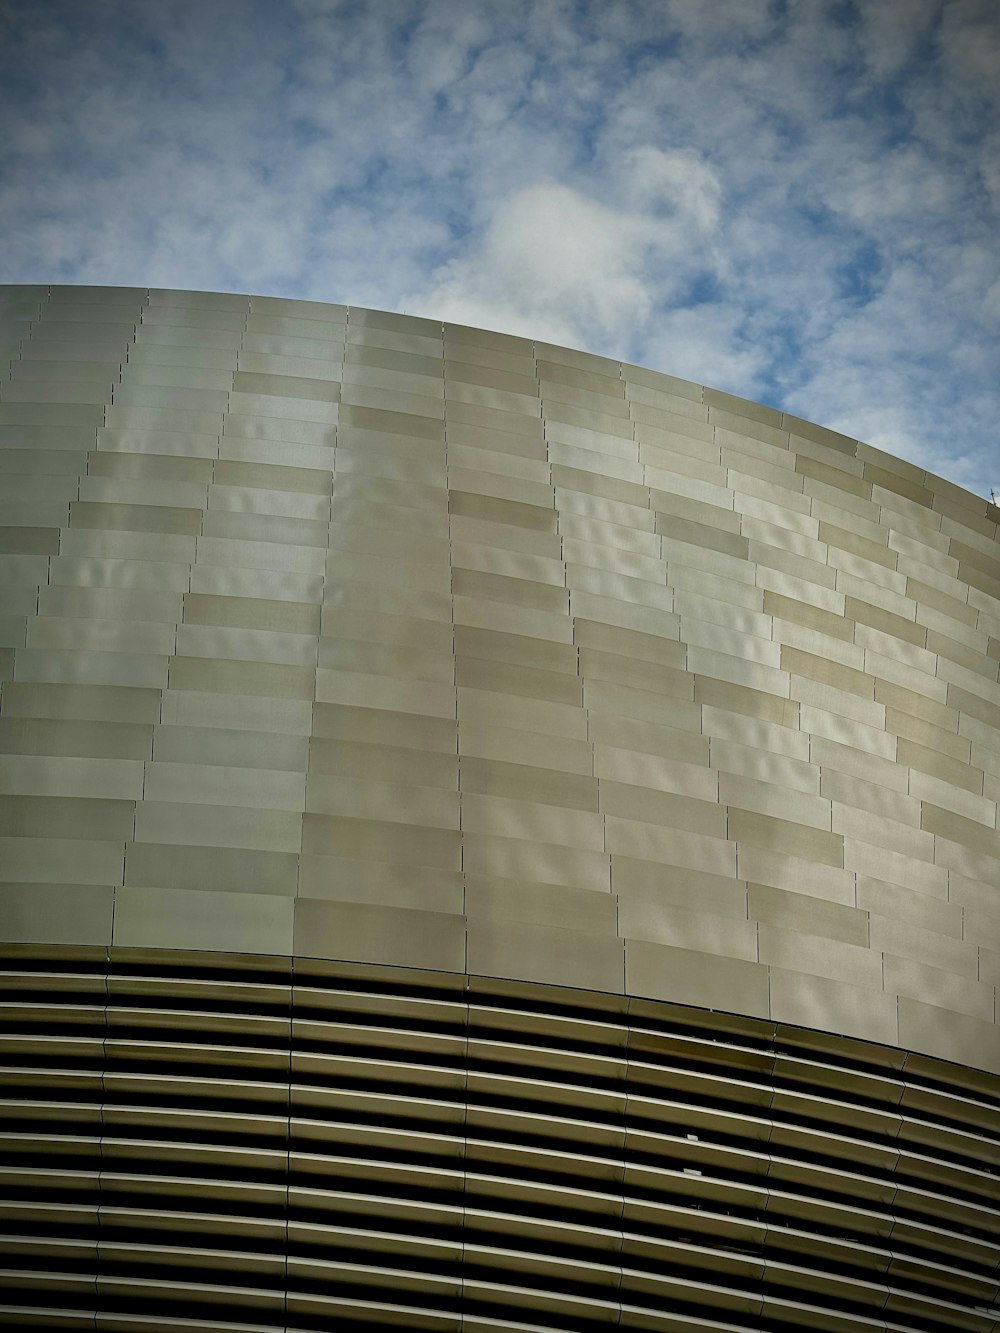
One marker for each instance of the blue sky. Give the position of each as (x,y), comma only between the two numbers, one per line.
(794,200)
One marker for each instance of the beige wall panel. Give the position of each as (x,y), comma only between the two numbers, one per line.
(502,535)
(395,802)
(546,786)
(674,707)
(619,482)
(989,966)
(765,798)
(615,559)
(111,604)
(227,552)
(662,808)
(981,809)
(360,655)
(504,900)
(948,1034)
(689,977)
(378,727)
(376,762)
(510,745)
(720,666)
(379,884)
(636,672)
(220,676)
(192,824)
(112,636)
(773,833)
(780,530)
(242,712)
(655,773)
(918,910)
(375,840)
(226,869)
(279,440)
(47,860)
(781,738)
(491,708)
(755,706)
(759,865)
(275,615)
(601,510)
(798,571)
(939,734)
(870,797)
(536,862)
(615,458)
(236,643)
(777,521)
(244,587)
(804,912)
(378,691)
(98,703)
(838,1006)
(700,699)
(747,620)
(641,592)
(258,788)
(550,954)
(752,647)
(844,678)
(644,888)
(853,761)
(308,508)
(77,914)
(371,934)
(888,833)
(700,930)
(825,724)
(673,847)
(91,668)
(34,775)
(910,941)
(196,919)
(818,955)
(475,416)
(507,817)
(378,464)
(770,769)
(513,564)
(639,616)
(967,861)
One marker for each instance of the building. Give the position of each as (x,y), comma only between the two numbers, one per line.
(492,838)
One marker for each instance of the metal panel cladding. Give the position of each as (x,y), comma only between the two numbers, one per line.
(349,635)
(491,838)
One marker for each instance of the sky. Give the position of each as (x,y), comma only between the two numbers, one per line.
(797,201)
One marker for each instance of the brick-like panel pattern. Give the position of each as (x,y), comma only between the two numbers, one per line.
(358,636)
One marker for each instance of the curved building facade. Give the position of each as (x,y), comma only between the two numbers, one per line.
(491,838)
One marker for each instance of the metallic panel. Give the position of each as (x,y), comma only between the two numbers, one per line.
(253,1142)
(349,593)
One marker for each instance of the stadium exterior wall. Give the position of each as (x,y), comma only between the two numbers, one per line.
(490,837)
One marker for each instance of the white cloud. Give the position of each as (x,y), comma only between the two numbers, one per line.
(571,268)
(892,34)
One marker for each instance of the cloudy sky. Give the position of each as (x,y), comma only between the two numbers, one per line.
(794,200)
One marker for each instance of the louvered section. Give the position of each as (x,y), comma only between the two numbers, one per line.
(199,1142)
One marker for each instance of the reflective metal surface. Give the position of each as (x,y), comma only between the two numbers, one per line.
(223,1142)
(490,838)
(354,633)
